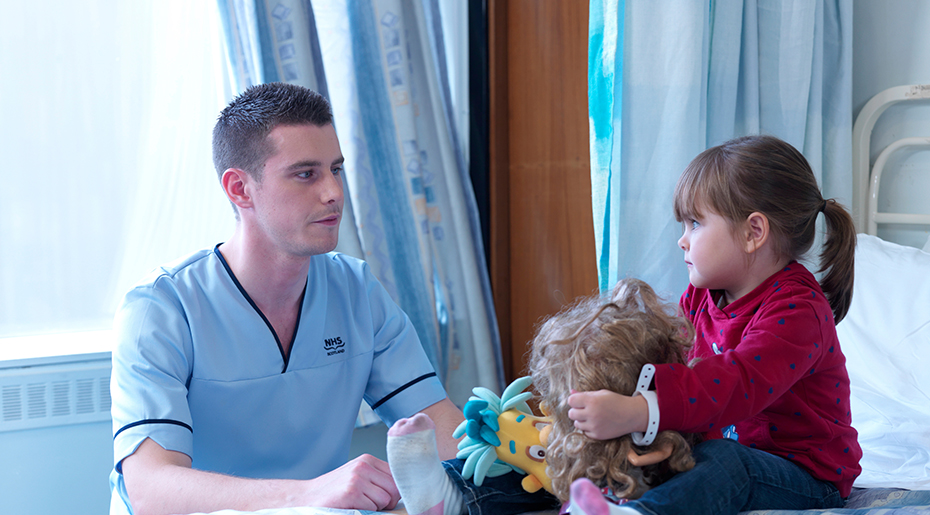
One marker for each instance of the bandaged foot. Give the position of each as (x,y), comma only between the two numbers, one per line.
(587,499)
(420,477)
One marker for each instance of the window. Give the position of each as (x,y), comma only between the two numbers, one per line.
(107,110)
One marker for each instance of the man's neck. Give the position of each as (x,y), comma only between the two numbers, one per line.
(273,280)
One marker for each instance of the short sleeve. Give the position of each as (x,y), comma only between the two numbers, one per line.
(402,380)
(151,370)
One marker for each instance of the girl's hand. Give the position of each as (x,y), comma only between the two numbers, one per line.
(604,414)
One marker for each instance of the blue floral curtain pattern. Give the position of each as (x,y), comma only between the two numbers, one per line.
(272,41)
(684,79)
(414,218)
(430,241)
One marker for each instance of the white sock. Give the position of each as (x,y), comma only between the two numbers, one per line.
(586,499)
(425,489)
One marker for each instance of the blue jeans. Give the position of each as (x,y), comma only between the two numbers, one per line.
(730,477)
(502,495)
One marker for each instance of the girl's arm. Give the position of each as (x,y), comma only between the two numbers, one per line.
(604,414)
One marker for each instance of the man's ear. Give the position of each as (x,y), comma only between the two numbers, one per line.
(756,232)
(236,184)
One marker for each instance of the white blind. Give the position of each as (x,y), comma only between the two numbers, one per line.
(107,108)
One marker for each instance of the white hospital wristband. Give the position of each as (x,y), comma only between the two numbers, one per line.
(652,401)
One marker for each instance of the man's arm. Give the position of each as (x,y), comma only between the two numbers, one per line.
(160,481)
(447,416)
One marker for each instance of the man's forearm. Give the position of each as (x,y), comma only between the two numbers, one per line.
(162,482)
(446,416)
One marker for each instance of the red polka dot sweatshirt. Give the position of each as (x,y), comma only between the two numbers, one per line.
(770,364)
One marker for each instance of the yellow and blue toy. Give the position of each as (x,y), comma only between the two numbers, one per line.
(503,435)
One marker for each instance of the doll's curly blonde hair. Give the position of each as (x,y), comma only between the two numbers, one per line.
(601,343)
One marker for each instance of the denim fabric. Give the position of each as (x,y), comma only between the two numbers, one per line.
(730,477)
(502,495)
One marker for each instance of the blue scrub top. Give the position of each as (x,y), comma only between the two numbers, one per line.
(198,369)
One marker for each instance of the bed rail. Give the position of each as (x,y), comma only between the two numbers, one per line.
(866,182)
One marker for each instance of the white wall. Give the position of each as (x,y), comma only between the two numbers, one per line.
(891,47)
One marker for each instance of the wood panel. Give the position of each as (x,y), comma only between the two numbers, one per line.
(543,253)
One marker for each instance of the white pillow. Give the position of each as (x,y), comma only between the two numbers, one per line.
(886,339)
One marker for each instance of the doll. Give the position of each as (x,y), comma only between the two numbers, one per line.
(597,344)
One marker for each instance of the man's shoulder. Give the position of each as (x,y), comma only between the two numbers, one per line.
(192,267)
(337,266)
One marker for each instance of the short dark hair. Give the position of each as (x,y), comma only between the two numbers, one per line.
(240,136)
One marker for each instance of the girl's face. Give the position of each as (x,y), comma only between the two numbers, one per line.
(715,258)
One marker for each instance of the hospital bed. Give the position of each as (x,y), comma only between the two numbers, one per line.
(886,339)
(886,334)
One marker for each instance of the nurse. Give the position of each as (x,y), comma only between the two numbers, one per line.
(239,369)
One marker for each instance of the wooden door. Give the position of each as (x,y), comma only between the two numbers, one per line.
(542,235)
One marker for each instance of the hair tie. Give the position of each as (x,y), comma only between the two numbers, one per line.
(823,206)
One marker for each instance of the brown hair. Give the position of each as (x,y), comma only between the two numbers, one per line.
(597,344)
(240,136)
(767,175)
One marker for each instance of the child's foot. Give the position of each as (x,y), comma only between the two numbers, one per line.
(587,499)
(424,486)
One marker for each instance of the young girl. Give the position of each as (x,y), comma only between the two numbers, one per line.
(595,343)
(769,372)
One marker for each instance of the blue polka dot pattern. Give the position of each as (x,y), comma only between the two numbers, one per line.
(768,330)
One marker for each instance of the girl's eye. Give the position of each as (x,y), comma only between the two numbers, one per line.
(694,224)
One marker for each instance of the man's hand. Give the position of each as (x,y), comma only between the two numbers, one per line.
(604,414)
(364,483)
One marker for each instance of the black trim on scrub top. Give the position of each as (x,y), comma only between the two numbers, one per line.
(402,388)
(300,307)
(153,421)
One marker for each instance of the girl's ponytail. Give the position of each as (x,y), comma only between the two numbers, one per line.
(837,258)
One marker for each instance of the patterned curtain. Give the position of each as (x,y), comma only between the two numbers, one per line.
(413,210)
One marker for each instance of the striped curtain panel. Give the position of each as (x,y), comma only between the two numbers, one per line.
(414,218)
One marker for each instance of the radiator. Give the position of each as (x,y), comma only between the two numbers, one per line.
(42,393)
(56,443)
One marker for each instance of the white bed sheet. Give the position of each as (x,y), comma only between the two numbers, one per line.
(886,339)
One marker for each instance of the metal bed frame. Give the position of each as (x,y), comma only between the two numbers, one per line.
(865,182)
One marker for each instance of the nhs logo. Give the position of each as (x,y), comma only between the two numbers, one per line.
(334,345)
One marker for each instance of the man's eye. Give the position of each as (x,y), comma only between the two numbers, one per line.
(338,171)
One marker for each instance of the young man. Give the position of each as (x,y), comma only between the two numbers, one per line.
(239,370)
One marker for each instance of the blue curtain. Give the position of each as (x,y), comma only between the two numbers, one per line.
(413,215)
(668,80)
